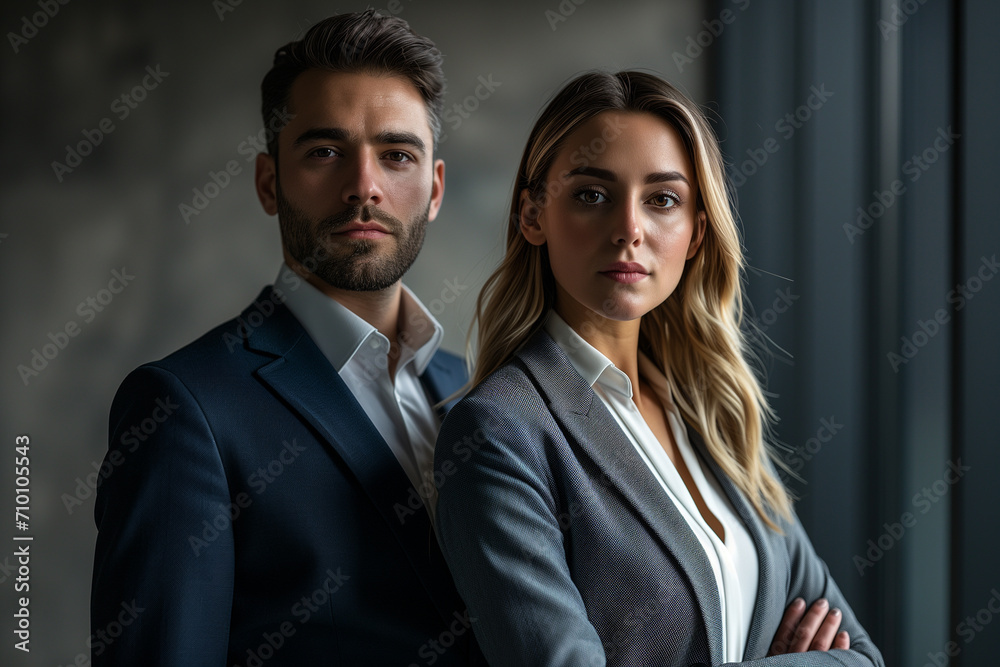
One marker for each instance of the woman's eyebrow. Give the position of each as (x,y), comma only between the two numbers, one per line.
(665,176)
(606,175)
(596,172)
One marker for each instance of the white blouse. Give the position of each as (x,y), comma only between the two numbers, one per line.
(734,561)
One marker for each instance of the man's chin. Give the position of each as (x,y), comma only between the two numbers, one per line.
(359,276)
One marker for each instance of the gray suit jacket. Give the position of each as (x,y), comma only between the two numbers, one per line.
(567,550)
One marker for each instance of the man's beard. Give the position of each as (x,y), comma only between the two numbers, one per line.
(353,264)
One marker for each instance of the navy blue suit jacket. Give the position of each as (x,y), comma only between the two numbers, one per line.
(578,556)
(253,515)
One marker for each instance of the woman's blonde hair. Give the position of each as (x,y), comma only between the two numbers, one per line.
(694,336)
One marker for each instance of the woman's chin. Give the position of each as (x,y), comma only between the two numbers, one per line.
(623,309)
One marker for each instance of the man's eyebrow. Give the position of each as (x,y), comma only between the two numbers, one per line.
(322,133)
(606,175)
(407,138)
(340,134)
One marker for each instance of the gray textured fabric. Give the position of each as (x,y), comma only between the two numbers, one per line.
(568,552)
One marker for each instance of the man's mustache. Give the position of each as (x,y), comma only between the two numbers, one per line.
(364,213)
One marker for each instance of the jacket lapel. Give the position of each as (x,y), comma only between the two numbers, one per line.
(440,379)
(306,380)
(588,424)
(759,639)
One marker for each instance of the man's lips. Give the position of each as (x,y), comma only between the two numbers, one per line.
(363,230)
(625,272)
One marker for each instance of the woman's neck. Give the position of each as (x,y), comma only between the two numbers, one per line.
(616,340)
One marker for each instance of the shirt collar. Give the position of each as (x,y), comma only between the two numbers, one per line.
(592,366)
(419,330)
(339,333)
(597,369)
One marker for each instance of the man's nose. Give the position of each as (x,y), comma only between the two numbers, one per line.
(363,184)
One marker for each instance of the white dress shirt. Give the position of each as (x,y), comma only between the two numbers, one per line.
(734,561)
(398,407)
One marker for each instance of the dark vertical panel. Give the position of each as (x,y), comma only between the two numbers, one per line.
(897,319)
(756,88)
(883,249)
(832,319)
(798,74)
(957,352)
(977,577)
(923,177)
(864,231)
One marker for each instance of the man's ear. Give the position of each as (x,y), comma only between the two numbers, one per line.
(528,220)
(699,234)
(266,181)
(437,190)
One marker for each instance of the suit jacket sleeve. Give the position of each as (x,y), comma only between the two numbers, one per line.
(810,579)
(498,530)
(163,568)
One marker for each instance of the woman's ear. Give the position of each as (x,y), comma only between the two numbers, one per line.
(699,234)
(528,220)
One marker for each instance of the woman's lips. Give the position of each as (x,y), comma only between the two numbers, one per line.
(625,272)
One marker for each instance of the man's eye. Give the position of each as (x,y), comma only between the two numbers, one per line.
(323,152)
(398,156)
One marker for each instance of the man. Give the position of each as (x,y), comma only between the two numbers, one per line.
(260,508)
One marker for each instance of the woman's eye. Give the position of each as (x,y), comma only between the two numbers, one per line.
(591,197)
(663,200)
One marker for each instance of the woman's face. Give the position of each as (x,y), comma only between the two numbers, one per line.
(619,219)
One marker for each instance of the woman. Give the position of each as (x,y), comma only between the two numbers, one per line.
(605,493)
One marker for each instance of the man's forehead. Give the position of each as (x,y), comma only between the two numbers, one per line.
(357,100)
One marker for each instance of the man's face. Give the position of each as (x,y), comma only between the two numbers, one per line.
(356,182)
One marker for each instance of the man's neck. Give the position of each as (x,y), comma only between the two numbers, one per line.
(379,308)
(382,309)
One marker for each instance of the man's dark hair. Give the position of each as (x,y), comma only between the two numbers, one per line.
(365,42)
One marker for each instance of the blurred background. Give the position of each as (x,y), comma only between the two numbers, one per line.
(861,136)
